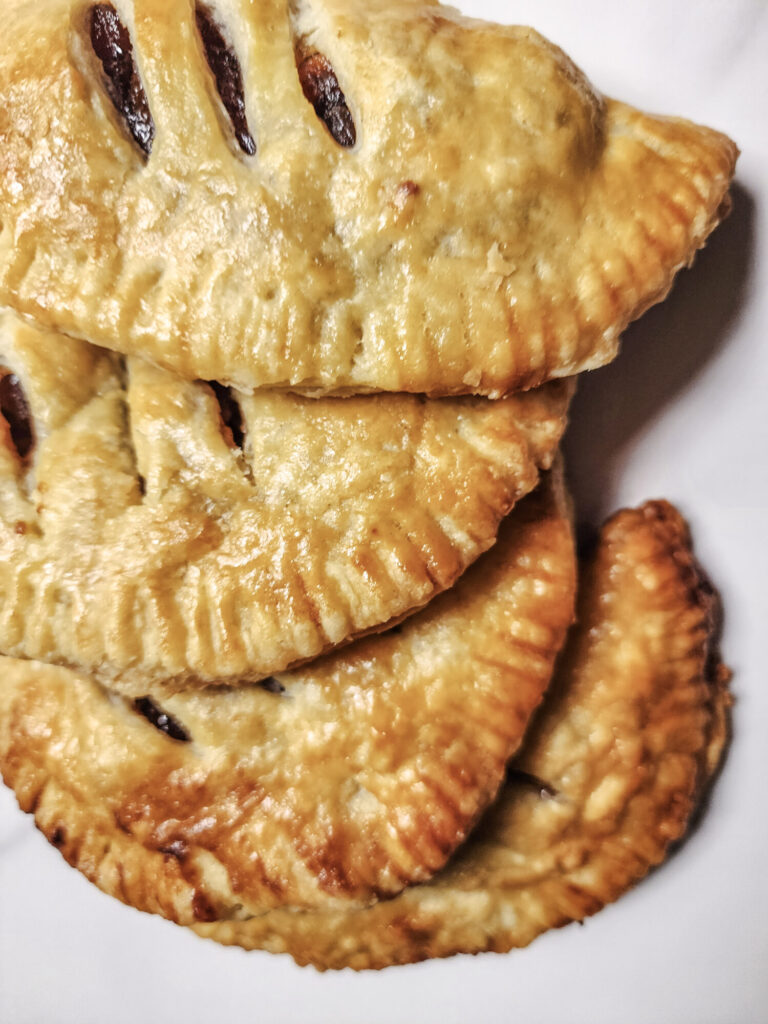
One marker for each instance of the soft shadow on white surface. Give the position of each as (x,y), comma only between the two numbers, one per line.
(661,356)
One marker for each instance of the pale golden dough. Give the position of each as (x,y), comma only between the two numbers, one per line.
(632,729)
(497,224)
(338,516)
(361,776)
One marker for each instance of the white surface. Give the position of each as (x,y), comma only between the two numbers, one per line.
(681,414)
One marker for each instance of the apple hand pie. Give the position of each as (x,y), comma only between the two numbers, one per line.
(609,776)
(334,195)
(344,780)
(156,531)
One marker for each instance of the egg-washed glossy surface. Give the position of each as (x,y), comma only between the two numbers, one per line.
(167,532)
(632,729)
(496,222)
(345,780)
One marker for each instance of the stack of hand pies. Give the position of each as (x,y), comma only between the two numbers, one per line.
(295,651)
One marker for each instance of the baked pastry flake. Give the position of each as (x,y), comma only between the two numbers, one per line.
(160,532)
(333,195)
(345,780)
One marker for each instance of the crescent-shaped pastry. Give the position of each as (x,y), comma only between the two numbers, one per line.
(159,531)
(334,195)
(609,776)
(345,780)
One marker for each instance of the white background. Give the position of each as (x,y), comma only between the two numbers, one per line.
(682,415)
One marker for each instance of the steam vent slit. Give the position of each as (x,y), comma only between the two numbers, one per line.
(111,43)
(321,87)
(15,410)
(533,782)
(272,685)
(161,720)
(225,67)
(232,423)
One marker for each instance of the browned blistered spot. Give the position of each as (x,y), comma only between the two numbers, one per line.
(588,903)
(120,824)
(169,816)
(202,907)
(20,528)
(326,861)
(58,837)
(178,849)
(417,940)
(406,190)
(248,874)
(403,201)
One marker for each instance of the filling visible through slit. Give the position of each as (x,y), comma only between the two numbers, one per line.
(225,66)
(161,720)
(15,411)
(321,87)
(272,685)
(112,45)
(531,782)
(231,416)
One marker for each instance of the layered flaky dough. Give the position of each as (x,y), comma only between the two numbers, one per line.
(345,780)
(139,542)
(609,776)
(497,222)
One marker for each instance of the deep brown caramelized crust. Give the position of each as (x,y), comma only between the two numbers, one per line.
(609,776)
(158,531)
(343,781)
(335,195)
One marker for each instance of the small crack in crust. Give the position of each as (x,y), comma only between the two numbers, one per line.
(347,780)
(330,269)
(164,534)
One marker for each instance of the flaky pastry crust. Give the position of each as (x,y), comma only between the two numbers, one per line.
(608,777)
(485,221)
(345,780)
(139,541)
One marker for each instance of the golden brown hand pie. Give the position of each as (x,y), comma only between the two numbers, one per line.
(608,777)
(154,530)
(346,779)
(345,195)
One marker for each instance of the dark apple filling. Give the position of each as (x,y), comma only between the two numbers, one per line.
(112,45)
(14,409)
(161,719)
(225,66)
(321,87)
(232,424)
